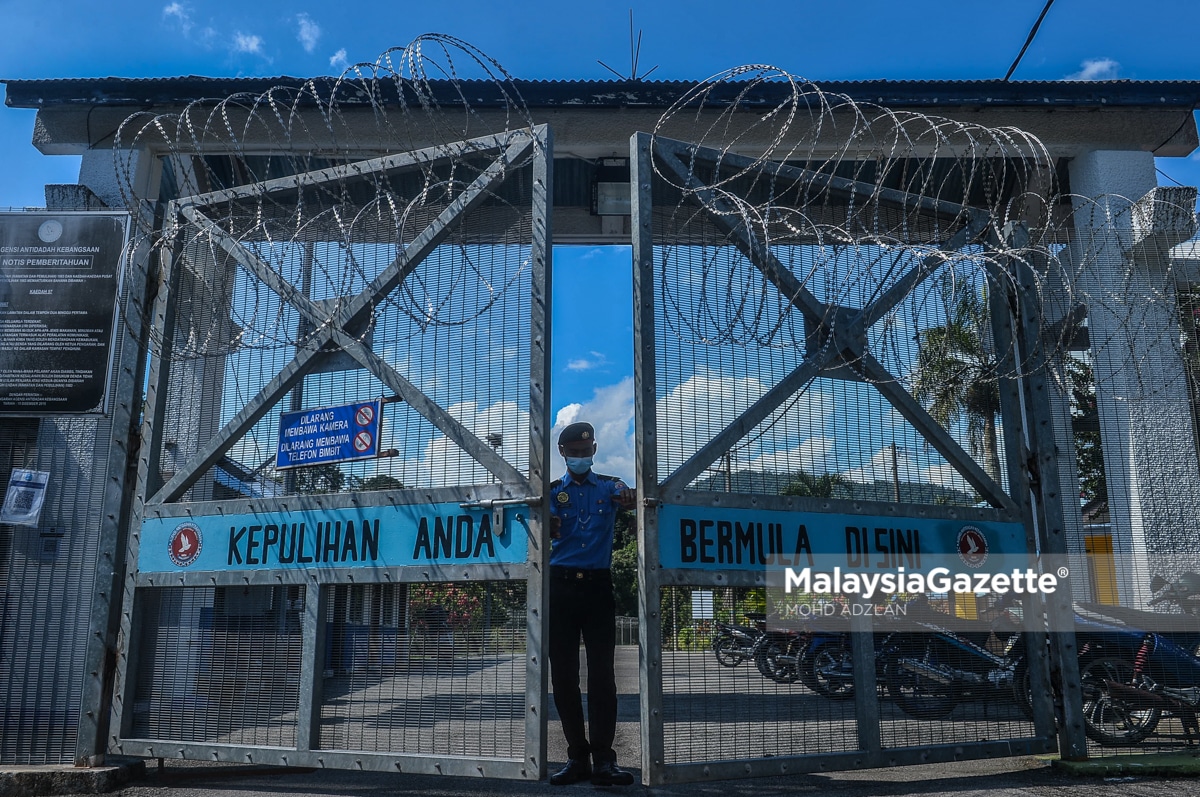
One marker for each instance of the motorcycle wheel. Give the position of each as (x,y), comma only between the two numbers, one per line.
(767,661)
(804,670)
(727,652)
(1107,719)
(918,696)
(824,669)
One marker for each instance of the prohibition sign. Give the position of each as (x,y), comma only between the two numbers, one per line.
(362,441)
(365,415)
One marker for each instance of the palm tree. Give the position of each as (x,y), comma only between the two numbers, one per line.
(806,484)
(955,375)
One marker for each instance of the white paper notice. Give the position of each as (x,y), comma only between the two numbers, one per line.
(23,501)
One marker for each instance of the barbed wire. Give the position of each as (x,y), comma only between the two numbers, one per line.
(413,99)
(873,199)
(803,223)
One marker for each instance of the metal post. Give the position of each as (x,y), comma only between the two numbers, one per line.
(312,666)
(650,625)
(866,701)
(1002,304)
(104,625)
(303,328)
(162,323)
(1048,498)
(895,475)
(537,585)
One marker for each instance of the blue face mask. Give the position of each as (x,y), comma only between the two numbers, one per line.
(579,465)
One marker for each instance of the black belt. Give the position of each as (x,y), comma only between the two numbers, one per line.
(579,574)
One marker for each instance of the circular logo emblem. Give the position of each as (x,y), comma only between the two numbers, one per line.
(364,415)
(563,498)
(184,545)
(50,231)
(972,546)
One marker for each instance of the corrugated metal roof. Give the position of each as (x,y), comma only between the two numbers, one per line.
(142,92)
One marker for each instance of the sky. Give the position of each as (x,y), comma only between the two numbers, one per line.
(919,39)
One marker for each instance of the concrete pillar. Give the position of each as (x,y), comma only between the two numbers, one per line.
(97,171)
(1123,277)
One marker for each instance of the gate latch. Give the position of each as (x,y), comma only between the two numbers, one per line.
(496,505)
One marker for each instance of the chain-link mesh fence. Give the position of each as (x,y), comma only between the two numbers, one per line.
(830,284)
(370,597)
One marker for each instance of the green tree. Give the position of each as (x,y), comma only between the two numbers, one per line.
(624,578)
(955,375)
(1085,422)
(314,479)
(380,481)
(624,563)
(823,486)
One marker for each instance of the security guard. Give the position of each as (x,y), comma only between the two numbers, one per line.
(583,508)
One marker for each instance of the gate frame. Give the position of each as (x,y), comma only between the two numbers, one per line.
(1025,406)
(512,148)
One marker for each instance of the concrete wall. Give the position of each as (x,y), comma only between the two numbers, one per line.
(1145,410)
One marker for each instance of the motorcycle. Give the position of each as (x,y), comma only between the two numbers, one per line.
(825,661)
(732,644)
(1132,678)
(936,662)
(775,654)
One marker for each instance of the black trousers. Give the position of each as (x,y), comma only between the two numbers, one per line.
(584,608)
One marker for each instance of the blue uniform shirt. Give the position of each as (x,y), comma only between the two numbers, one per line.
(588,512)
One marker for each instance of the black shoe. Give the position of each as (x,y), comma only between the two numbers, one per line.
(607,773)
(577,769)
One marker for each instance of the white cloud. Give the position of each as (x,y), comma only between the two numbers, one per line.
(598,360)
(338,59)
(442,462)
(307,33)
(946,476)
(178,13)
(696,410)
(812,455)
(879,467)
(247,43)
(610,411)
(1096,69)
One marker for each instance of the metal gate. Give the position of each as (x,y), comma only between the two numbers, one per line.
(382,326)
(781,306)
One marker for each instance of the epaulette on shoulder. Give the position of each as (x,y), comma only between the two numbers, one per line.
(607,478)
(554,485)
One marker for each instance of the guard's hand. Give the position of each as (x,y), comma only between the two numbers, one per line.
(555,525)
(626,499)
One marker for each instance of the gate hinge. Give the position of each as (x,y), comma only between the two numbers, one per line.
(1035,473)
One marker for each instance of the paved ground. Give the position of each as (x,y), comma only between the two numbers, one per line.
(1024,777)
(723,698)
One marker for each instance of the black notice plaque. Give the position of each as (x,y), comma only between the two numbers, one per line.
(59,277)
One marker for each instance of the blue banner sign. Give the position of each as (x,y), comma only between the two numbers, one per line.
(708,538)
(381,536)
(328,434)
